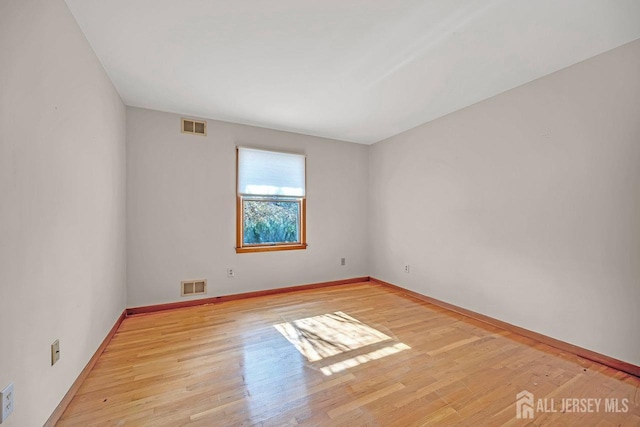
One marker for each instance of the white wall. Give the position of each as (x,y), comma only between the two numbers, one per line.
(62,204)
(181,210)
(524,207)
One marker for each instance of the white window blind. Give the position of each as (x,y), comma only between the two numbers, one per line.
(270,173)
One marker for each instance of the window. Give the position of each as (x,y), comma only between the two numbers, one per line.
(271,202)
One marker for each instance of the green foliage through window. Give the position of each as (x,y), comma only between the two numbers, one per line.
(271,221)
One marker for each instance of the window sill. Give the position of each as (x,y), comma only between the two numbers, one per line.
(272,248)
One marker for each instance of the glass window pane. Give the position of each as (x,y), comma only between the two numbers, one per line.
(271,221)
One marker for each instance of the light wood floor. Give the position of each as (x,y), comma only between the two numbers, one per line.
(226,364)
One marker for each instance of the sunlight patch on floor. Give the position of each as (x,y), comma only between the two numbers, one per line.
(330,334)
(333,334)
(334,368)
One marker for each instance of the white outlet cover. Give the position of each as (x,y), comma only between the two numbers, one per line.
(55,352)
(6,397)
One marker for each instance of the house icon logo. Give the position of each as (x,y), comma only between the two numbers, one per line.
(524,405)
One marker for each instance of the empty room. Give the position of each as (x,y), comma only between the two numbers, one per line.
(337,213)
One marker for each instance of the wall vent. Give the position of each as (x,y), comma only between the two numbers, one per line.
(193,287)
(193,127)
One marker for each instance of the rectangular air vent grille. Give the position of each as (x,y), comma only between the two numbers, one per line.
(194,127)
(193,287)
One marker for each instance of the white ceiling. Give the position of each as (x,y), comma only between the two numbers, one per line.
(356,70)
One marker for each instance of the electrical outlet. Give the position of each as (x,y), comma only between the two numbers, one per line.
(231,272)
(343,261)
(55,352)
(6,397)
(407,268)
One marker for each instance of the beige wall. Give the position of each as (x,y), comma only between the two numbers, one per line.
(524,207)
(181,210)
(62,204)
